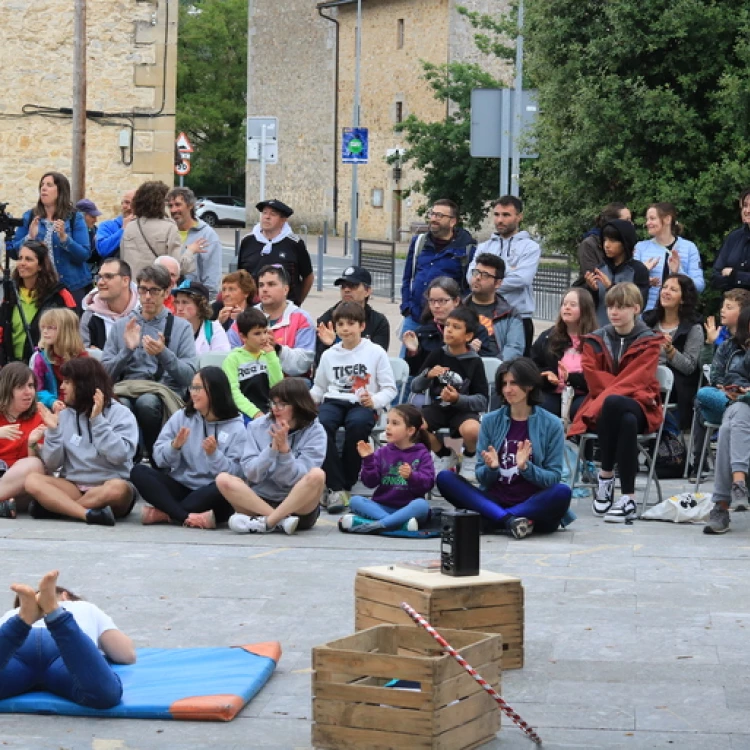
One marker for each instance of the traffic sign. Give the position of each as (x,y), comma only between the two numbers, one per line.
(354,146)
(256,128)
(183,168)
(183,144)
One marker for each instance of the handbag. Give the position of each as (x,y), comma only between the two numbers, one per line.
(145,239)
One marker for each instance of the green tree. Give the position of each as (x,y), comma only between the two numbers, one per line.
(639,102)
(441,149)
(212,91)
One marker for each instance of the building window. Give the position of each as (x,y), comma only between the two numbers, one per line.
(400,33)
(399,111)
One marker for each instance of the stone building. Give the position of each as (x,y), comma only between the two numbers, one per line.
(301,70)
(131,76)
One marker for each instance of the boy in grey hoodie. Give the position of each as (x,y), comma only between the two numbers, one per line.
(91,442)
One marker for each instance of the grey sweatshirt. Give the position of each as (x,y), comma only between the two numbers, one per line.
(271,474)
(91,451)
(179,360)
(191,466)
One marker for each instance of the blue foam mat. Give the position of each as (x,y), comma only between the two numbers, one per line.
(161,678)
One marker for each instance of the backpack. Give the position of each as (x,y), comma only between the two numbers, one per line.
(671,453)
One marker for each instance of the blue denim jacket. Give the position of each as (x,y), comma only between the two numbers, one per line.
(69,257)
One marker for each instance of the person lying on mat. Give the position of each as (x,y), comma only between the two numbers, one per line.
(281,464)
(52,642)
(520,462)
(401,472)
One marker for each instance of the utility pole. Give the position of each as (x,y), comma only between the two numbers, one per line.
(518,98)
(78,171)
(355,124)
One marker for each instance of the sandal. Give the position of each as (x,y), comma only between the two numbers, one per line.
(8,508)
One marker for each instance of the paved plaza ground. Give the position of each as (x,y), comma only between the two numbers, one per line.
(636,636)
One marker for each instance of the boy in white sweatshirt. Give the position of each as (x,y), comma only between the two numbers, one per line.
(353,382)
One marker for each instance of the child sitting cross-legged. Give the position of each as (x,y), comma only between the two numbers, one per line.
(253,368)
(457,385)
(402,473)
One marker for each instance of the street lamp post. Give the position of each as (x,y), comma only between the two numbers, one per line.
(355,124)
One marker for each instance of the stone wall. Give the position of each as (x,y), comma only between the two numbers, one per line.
(127,72)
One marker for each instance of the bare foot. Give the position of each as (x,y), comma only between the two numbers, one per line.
(47,596)
(29,611)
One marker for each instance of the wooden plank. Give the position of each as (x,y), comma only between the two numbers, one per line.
(380,612)
(433,581)
(360,641)
(365,694)
(375,665)
(461,713)
(366,716)
(387,592)
(462,686)
(475,733)
(471,619)
(346,738)
(489,595)
(486,651)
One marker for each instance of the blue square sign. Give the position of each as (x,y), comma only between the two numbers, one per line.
(354,146)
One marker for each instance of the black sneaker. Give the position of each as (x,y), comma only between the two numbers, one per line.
(622,511)
(100,516)
(37,510)
(520,527)
(718,521)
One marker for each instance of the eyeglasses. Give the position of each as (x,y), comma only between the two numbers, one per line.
(149,291)
(279,404)
(438,215)
(195,388)
(105,276)
(441,301)
(482,274)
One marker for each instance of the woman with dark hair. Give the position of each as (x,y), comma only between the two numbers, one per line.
(198,442)
(281,464)
(558,351)
(153,234)
(520,452)
(443,296)
(676,318)
(20,427)
(191,303)
(91,444)
(667,252)
(52,641)
(732,264)
(618,241)
(35,288)
(590,250)
(62,230)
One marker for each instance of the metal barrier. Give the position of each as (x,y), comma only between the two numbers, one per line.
(552,280)
(379,258)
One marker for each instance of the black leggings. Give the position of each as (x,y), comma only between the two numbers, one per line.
(618,425)
(175,499)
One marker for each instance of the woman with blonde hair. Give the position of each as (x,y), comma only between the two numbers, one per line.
(60,341)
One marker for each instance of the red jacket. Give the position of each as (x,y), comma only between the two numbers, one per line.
(635,378)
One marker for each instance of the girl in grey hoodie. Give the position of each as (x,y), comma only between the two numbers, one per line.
(198,442)
(91,442)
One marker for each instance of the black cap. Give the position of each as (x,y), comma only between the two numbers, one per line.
(354,275)
(191,287)
(282,208)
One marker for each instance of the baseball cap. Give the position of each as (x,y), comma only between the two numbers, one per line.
(87,206)
(354,275)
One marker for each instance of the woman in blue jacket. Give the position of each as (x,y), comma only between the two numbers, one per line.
(666,252)
(55,223)
(520,460)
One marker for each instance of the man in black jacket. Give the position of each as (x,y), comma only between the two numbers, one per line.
(356,286)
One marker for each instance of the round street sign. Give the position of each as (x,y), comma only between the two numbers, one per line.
(183,168)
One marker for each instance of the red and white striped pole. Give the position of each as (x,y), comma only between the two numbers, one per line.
(504,707)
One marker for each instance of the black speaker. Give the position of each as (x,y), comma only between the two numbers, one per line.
(459,547)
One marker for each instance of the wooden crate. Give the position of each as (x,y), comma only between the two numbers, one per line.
(352,708)
(488,602)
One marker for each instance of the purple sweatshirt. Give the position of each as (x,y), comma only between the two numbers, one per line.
(381,470)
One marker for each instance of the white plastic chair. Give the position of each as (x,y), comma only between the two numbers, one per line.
(400,370)
(211,359)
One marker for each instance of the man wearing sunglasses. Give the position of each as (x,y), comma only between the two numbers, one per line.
(445,250)
(115,297)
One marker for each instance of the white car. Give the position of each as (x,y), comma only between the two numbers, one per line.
(221,209)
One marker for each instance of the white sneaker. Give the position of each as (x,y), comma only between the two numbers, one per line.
(288,525)
(338,501)
(445,463)
(623,510)
(411,525)
(468,468)
(239,523)
(604,496)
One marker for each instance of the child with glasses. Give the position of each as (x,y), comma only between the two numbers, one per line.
(253,368)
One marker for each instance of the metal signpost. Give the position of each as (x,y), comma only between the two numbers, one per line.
(185,149)
(262,146)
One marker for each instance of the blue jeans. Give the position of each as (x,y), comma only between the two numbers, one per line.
(546,508)
(61,659)
(390,518)
(342,471)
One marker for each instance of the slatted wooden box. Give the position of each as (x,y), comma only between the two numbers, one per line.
(489,603)
(352,708)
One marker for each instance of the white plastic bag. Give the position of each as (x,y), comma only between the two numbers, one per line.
(686,507)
